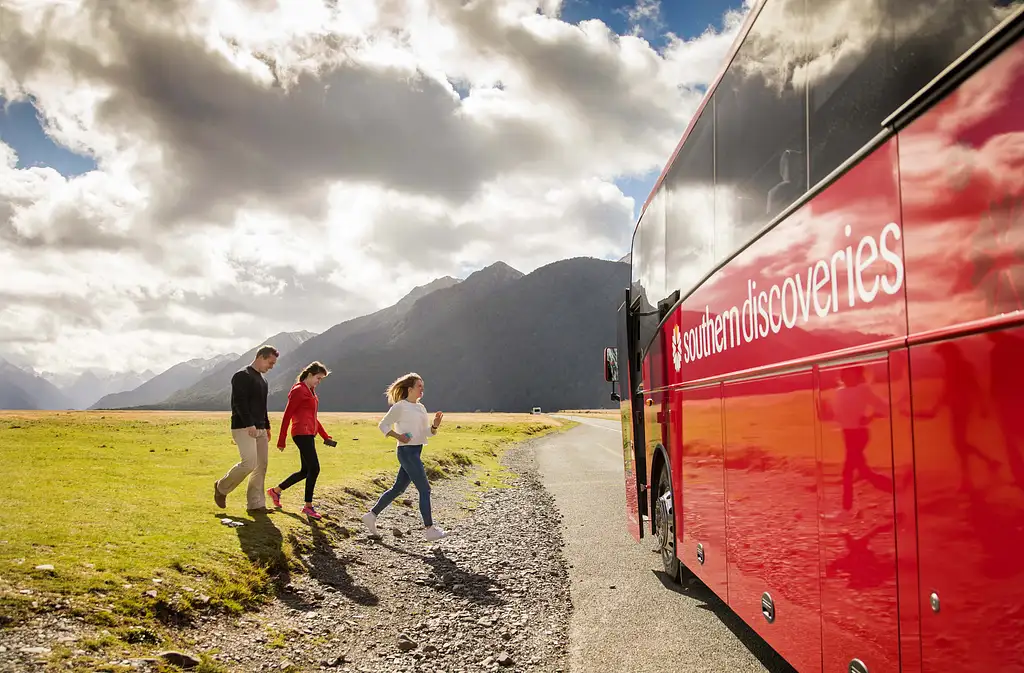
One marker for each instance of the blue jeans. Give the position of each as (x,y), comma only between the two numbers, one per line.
(411,471)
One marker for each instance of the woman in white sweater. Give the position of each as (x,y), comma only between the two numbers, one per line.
(409,423)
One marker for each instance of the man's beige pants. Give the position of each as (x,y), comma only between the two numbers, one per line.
(253,452)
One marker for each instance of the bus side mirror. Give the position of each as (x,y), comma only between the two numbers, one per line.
(611,365)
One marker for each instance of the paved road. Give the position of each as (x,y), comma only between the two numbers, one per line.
(629,616)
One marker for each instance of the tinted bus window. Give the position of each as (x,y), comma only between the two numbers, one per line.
(654,248)
(690,207)
(849,66)
(760,127)
(930,34)
(868,58)
(652,266)
(635,264)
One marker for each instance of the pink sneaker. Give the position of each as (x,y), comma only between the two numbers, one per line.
(310,512)
(275,496)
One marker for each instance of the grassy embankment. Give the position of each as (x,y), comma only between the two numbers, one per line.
(120,504)
(608,414)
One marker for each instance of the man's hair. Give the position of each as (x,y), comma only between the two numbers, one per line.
(266,352)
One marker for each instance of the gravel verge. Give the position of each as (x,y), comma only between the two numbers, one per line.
(492,596)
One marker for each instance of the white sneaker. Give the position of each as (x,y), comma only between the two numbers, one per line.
(434,533)
(370,521)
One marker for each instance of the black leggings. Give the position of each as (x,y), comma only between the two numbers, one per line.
(309,468)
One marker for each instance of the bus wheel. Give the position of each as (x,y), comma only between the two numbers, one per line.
(666,525)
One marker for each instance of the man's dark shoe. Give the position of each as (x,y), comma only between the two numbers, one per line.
(218,497)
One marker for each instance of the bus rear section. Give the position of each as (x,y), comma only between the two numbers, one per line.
(823,403)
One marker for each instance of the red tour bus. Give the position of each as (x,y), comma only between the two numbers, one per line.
(820,358)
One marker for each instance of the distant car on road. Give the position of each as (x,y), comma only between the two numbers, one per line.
(536,410)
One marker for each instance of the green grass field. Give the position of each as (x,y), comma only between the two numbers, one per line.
(120,504)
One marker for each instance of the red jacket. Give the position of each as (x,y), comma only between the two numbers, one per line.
(301,411)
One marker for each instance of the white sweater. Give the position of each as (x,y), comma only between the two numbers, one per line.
(409,417)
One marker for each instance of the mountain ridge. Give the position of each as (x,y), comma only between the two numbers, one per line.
(23,389)
(499,340)
(163,384)
(216,382)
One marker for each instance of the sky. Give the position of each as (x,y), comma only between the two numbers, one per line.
(183,178)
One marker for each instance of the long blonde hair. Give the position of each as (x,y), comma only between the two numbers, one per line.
(399,389)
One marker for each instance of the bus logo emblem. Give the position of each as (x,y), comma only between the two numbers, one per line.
(677,349)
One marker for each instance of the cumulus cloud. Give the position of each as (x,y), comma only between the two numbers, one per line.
(266,166)
(693,63)
(645,17)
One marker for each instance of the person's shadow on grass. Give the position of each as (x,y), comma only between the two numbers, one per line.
(323,564)
(260,540)
(262,543)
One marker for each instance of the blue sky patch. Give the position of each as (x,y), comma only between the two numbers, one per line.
(686,18)
(21,128)
(638,188)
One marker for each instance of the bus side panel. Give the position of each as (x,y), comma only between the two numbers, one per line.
(969,433)
(656,423)
(772,504)
(655,430)
(651,436)
(703,485)
(962,182)
(627,383)
(859,597)
(635,460)
(907,557)
(962,177)
(633,516)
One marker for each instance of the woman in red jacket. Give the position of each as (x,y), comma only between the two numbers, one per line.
(301,412)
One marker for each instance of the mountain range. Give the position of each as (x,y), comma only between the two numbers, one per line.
(213,389)
(160,387)
(498,340)
(92,385)
(73,390)
(22,388)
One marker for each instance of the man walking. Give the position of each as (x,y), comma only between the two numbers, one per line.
(250,428)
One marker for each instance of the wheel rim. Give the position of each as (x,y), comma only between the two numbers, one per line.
(666,524)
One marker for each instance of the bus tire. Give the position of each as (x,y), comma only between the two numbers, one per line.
(666,525)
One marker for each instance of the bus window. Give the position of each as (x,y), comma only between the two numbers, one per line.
(690,207)
(868,58)
(636,264)
(653,242)
(850,63)
(930,34)
(650,265)
(760,129)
